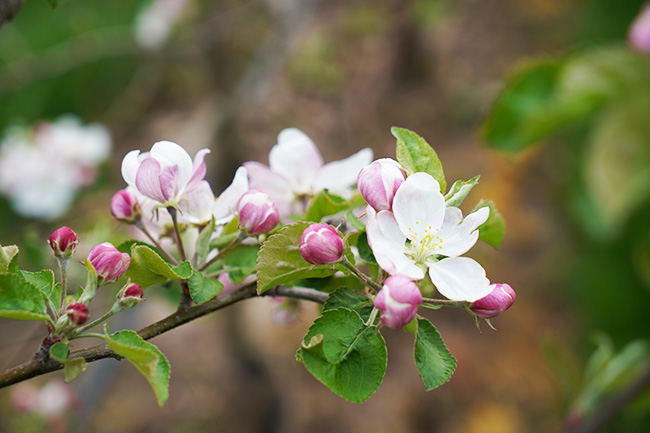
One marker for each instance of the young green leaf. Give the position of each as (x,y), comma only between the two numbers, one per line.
(279,260)
(459,191)
(7,256)
(145,357)
(148,268)
(203,242)
(416,155)
(72,368)
(20,300)
(432,358)
(324,204)
(202,289)
(44,282)
(351,300)
(365,252)
(345,355)
(493,230)
(241,262)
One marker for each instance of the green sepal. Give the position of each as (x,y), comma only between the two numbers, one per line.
(433,360)
(202,289)
(145,357)
(344,354)
(72,368)
(416,155)
(279,260)
(147,267)
(493,230)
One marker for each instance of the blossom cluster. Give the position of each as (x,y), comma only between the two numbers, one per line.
(41,169)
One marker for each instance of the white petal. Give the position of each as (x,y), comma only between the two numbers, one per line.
(130,165)
(419,206)
(199,204)
(459,235)
(170,154)
(460,279)
(339,176)
(387,243)
(296,158)
(225,206)
(274,184)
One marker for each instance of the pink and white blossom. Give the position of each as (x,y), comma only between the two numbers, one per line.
(257,213)
(167,175)
(378,183)
(422,234)
(398,301)
(321,244)
(296,171)
(225,208)
(109,263)
(125,206)
(499,300)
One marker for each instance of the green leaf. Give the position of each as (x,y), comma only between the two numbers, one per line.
(432,358)
(416,155)
(145,357)
(44,282)
(72,368)
(7,256)
(520,114)
(365,252)
(331,283)
(203,242)
(324,204)
(202,289)
(345,355)
(148,268)
(55,3)
(493,230)
(279,260)
(459,191)
(241,262)
(20,300)
(351,300)
(617,162)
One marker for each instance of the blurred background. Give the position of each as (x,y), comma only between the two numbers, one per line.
(104,78)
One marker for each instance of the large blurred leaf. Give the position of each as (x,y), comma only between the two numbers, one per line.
(617,162)
(493,230)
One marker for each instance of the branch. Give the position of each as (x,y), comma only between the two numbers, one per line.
(8,9)
(41,363)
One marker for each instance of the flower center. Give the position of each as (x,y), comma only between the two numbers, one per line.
(422,243)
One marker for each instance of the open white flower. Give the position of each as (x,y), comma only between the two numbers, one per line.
(422,233)
(296,170)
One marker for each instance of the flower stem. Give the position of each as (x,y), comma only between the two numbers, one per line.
(96,322)
(179,242)
(153,240)
(444,302)
(63,267)
(365,279)
(223,251)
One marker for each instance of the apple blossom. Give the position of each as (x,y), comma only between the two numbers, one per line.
(77,312)
(378,183)
(168,176)
(296,170)
(398,301)
(109,263)
(257,213)
(499,300)
(639,33)
(125,206)
(63,242)
(422,234)
(321,244)
(225,208)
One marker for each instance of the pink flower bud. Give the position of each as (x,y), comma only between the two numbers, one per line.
(378,183)
(109,263)
(257,213)
(639,33)
(125,206)
(321,244)
(398,301)
(131,296)
(77,312)
(63,242)
(498,301)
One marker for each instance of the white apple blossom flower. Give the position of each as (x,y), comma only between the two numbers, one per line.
(422,234)
(225,207)
(296,170)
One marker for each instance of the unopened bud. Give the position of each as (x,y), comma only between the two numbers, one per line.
(498,301)
(109,263)
(398,301)
(378,183)
(63,242)
(321,244)
(131,296)
(639,33)
(257,212)
(77,312)
(125,206)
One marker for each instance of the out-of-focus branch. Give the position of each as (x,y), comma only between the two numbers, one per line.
(41,363)
(9,9)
